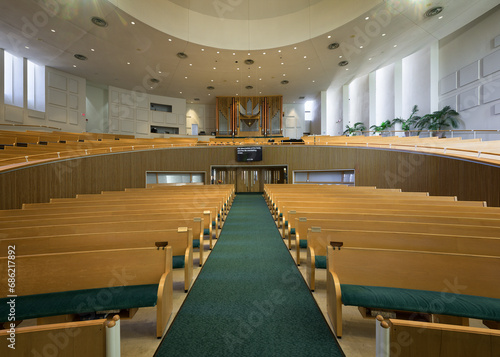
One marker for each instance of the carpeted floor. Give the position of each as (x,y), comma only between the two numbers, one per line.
(249,299)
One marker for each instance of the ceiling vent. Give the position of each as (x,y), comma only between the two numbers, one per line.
(98,21)
(302,97)
(249,61)
(434,11)
(154,80)
(196,99)
(182,55)
(210,87)
(333,46)
(80,57)
(343,63)
(284,81)
(249,87)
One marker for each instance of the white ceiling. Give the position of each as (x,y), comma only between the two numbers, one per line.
(308,65)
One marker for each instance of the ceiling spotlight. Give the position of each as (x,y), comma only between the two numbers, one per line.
(98,21)
(249,61)
(433,11)
(210,87)
(132,22)
(333,46)
(284,81)
(80,57)
(249,87)
(182,55)
(343,63)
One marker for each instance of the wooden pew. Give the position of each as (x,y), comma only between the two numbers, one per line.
(116,207)
(404,338)
(181,245)
(319,238)
(437,283)
(99,338)
(142,275)
(391,226)
(483,217)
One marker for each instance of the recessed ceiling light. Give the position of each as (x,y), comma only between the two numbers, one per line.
(314,81)
(169,40)
(260,79)
(248,76)
(329,36)
(185,77)
(208,93)
(92,49)
(52,30)
(237,81)
(180,92)
(340,56)
(260,92)
(383,34)
(434,11)
(260,67)
(279,51)
(333,46)
(80,57)
(159,72)
(308,68)
(367,18)
(234,54)
(215,68)
(249,53)
(128,62)
(98,21)
(440,17)
(343,63)
(202,49)
(263,53)
(369,59)
(236,93)
(282,63)
(305,56)
(133,23)
(360,46)
(395,45)
(211,80)
(218,52)
(295,48)
(191,64)
(238,68)
(27,47)
(347,69)
(74,65)
(182,55)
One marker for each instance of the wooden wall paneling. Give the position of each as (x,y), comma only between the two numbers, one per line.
(374,167)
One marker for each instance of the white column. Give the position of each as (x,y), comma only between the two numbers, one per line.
(345,105)
(323,112)
(372,87)
(398,93)
(434,85)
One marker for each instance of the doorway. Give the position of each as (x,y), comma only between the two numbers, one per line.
(249,178)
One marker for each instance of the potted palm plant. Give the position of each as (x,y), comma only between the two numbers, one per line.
(439,120)
(353,130)
(382,127)
(406,124)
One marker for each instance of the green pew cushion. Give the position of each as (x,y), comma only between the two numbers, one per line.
(431,302)
(281,215)
(303,243)
(196,243)
(213,223)
(80,301)
(286,223)
(206,231)
(178,261)
(292,231)
(320,261)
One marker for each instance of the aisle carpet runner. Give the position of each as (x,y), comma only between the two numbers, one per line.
(249,298)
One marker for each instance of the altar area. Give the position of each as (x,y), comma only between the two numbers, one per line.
(255,117)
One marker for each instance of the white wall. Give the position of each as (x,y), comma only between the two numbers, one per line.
(294,120)
(65,106)
(417,82)
(470,73)
(201,114)
(334,112)
(384,95)
(129,113)
(97,108)
(359,101)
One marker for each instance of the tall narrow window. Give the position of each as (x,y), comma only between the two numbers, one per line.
(308,106)
(36,87)
(13,80)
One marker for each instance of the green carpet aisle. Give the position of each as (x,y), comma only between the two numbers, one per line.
(249,299)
